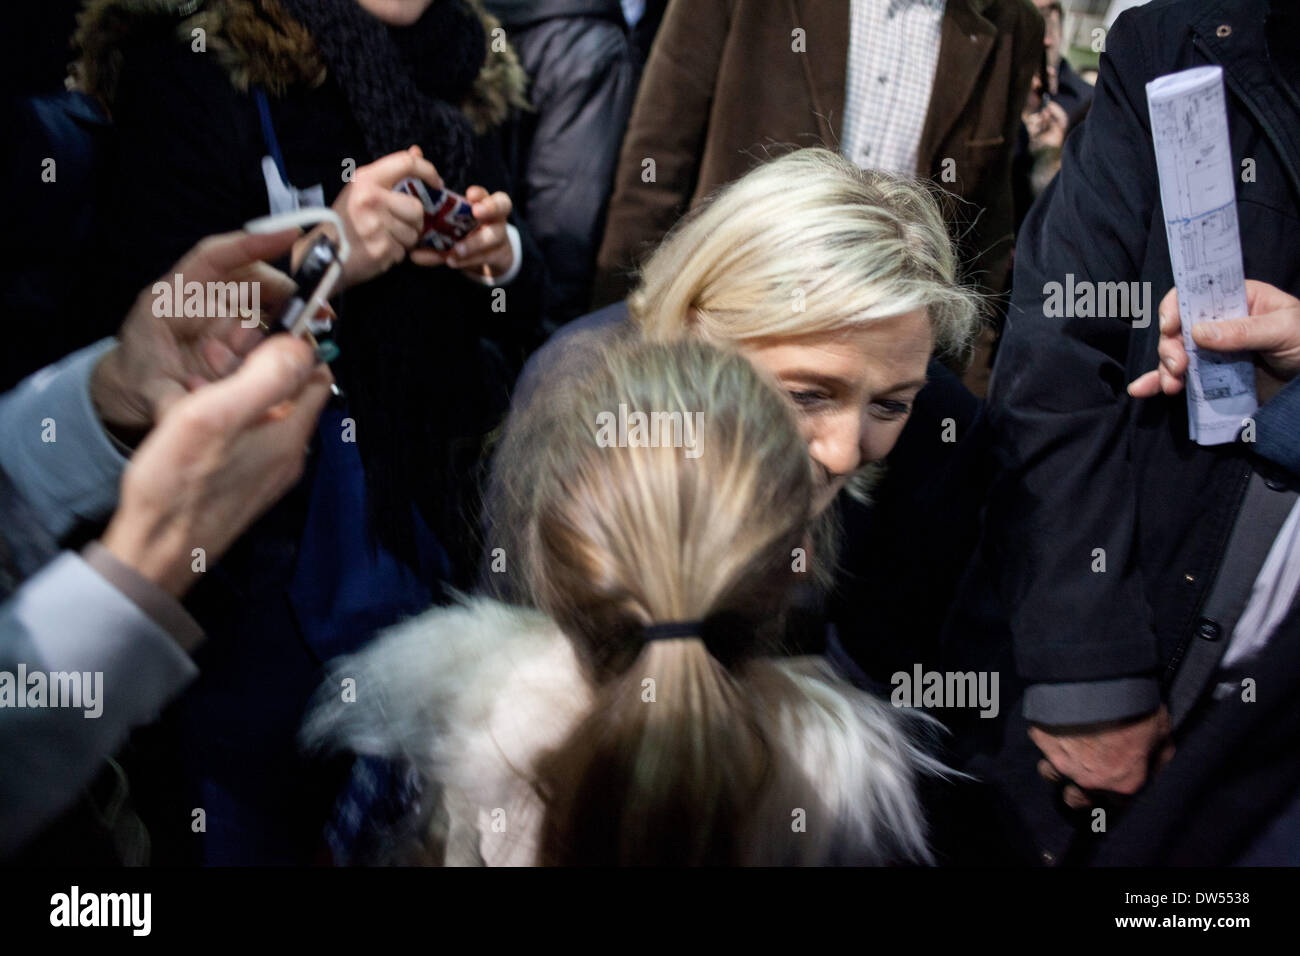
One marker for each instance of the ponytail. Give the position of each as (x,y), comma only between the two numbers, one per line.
(682,761)
(661,769)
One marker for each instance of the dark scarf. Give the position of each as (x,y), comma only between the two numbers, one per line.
(420,384)
(403,84)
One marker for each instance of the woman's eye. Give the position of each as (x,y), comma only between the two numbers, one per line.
(892,409)
(807,399)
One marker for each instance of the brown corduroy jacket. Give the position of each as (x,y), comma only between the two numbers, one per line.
(727,80)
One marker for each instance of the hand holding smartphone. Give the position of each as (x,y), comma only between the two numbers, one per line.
(448,216)
(318,272)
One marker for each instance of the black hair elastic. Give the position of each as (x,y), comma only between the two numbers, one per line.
(728,636)
(671,629)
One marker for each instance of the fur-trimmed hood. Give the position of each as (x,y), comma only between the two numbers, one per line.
(471,696)
(258,43)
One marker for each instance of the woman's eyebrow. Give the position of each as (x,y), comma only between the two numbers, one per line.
(834,382)
(916,383)
(812,377)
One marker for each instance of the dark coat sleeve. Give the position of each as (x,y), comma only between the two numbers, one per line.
(584,76)
(184,165)
(669,123)
(1059,411)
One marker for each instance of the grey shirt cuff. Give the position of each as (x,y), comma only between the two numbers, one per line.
(1090,702)
(55,451)
(162,608)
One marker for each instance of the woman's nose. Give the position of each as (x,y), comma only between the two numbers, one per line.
(838,445)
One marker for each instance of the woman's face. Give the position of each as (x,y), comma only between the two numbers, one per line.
(853,390)
(397,13)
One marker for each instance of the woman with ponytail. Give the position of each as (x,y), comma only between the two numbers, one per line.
(641,708)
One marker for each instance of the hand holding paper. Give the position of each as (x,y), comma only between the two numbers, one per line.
(1271,330)
(1189,126)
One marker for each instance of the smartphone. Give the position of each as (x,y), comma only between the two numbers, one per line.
(318,272)
(447,215)
(315,278)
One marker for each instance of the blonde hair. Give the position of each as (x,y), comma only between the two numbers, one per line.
(807,243)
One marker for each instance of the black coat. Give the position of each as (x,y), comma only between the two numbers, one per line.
(583,70)
(1079,464)
(1230,794)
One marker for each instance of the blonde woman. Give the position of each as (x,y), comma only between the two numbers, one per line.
(840,284)
(637,711)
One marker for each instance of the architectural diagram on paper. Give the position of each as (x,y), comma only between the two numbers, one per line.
(1189,125)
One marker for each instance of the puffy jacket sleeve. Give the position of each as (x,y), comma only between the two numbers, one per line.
(583,96)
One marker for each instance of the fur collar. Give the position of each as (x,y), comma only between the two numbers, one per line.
(472,695)
(468,696)
(257,43)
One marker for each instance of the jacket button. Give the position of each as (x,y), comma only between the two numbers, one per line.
(1189,578)
(1223,31)
(1275,484)
(1210,630)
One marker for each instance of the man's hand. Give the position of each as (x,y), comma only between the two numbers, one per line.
(1047,128)
(1114,757)
(159,359)
(1271,330)
(219,458)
